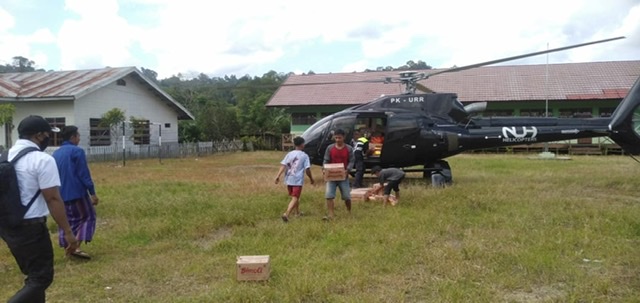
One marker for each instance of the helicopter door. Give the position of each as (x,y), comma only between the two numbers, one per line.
(400,141)
(346,124)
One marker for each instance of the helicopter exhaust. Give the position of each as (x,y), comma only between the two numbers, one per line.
(477,107)
(625,121)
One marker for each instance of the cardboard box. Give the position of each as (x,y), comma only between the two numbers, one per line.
(377,149)
(333,172)
(361,194)
(253,268)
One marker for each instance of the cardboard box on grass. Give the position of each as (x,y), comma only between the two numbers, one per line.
(333,172)
(361,194)
(253,268)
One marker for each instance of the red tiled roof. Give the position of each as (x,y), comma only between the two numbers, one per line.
(568,81)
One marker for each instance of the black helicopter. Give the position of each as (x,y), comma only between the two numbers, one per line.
(422,129)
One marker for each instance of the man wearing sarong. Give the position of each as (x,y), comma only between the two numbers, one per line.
(77,189)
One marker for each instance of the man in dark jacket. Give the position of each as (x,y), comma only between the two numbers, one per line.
(360,152)
(77,190)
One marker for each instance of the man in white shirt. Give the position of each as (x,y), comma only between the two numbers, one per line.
(30,242)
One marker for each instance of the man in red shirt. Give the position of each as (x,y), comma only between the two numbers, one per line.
(339,152)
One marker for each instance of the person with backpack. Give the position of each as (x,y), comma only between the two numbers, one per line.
(38,180)
(77,190)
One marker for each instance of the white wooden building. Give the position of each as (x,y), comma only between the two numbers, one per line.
(81,97)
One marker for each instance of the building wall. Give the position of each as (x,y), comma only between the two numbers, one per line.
(135,100)
(304,116)
(45,109)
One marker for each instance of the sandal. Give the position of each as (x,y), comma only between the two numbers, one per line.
(81,254)
(285,218)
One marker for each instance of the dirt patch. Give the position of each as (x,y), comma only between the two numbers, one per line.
(540,294)
(214,237)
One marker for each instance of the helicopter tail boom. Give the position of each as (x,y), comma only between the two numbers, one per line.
(625,121)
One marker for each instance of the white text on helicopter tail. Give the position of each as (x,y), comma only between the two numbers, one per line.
(519,134)
(408,100)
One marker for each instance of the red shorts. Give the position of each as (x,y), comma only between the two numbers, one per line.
(294,191)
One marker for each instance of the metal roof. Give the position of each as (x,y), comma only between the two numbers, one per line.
(567,81)
(72,85)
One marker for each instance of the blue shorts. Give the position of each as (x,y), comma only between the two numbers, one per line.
(345,190)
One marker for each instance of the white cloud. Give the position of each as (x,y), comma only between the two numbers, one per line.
(12,45)
(6,21)
(100,37)
(243,37)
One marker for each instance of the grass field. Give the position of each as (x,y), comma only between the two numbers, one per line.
(510,229)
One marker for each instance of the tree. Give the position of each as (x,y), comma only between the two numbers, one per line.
(141,130)
(217,121)
(6,119)
(411,65)
(23,64)
(19,65)
(151,74)
(113,119)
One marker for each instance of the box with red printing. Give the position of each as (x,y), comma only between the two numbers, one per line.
(253,268)
(333,172)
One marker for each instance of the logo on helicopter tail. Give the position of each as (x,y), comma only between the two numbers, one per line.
(514,134)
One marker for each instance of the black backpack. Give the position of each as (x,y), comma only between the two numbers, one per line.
(11,209)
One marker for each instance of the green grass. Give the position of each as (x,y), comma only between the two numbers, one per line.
(511,229)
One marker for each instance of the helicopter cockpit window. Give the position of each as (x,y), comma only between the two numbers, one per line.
(346,124)
(315,132)
(635,120)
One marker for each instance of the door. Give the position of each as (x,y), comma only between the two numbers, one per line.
(400,140)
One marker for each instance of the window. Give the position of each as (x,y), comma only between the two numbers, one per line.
(141,132)
(606,111)
(59,122)
(497,113)
(575,113)
(303,118)
(533,113)
(121,82)
(98,135)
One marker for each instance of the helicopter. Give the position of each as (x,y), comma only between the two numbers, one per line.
(422,129)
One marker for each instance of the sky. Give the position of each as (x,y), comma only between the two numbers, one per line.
(253,37)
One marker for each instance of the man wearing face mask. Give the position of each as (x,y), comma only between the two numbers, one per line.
(30,242)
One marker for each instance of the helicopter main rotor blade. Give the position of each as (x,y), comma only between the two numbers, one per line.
(423,88)
(457,69)
(334,82)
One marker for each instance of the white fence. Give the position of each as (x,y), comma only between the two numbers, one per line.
(168,150)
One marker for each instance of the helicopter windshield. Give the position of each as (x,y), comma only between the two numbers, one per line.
(313,134)
(635,120)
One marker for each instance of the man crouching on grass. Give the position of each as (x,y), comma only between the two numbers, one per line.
(295,163)
(393,176)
